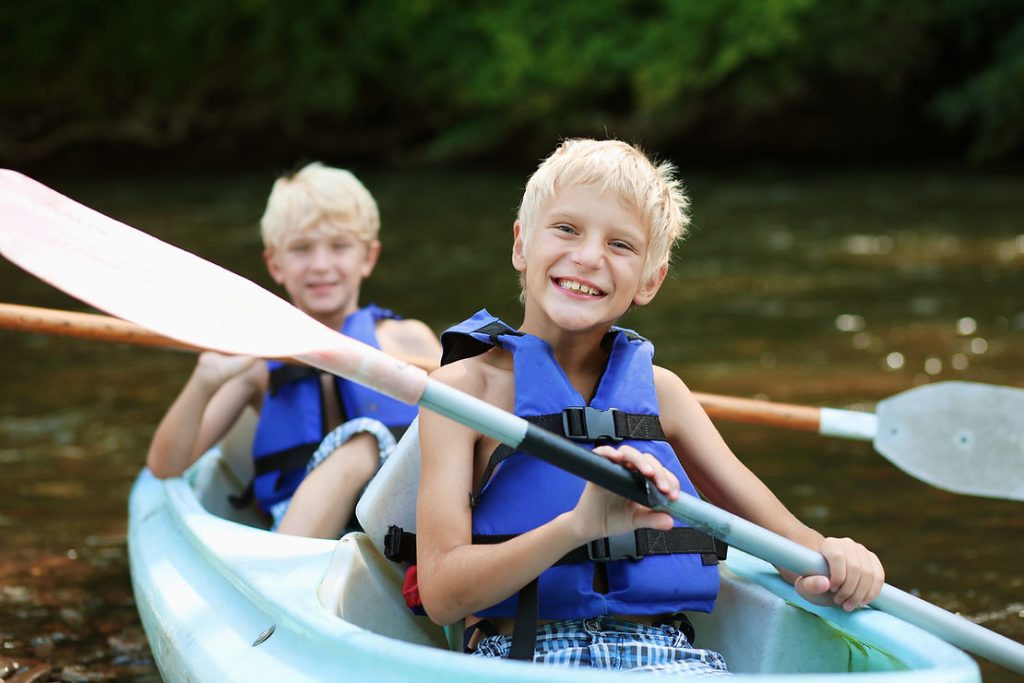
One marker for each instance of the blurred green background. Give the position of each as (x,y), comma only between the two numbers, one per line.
(432,82)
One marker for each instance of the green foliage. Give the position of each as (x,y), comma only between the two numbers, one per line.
(989,100)
(440,80)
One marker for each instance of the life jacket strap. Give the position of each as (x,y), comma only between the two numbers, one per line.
(284,461)
(584,423)
(400,545)
(581,423)
(288,460)
(288,373)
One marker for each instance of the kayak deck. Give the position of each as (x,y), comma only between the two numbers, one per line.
(223,600)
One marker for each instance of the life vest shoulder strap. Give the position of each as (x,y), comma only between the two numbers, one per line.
(585,424)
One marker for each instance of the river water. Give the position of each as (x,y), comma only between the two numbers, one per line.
(838,290)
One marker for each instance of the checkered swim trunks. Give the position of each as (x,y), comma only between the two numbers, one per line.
(332,442)
(616,645)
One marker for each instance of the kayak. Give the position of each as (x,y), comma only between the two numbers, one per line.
(223,599)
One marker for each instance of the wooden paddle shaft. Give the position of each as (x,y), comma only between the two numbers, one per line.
(751,411)
(110,329)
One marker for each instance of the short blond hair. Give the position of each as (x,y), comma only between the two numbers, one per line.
(650,188)
(321,197)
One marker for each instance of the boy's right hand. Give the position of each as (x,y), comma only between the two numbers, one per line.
(600,513)
(214,369)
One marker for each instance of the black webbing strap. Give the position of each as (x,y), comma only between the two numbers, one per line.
(284,461)
(458,345)
(581,424)
(288,373)
(524,630)
(584,423)
(499,454)
(400,545)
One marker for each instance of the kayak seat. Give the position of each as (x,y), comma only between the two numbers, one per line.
(362,586)
(365,588)
(390,497)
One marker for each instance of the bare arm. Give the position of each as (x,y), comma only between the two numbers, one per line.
(856,573)
(219,388)
(449,566)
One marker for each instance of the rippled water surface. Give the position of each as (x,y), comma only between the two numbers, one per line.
(835,291)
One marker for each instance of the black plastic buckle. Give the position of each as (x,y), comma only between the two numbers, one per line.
(393,543)
(597,424)
(612,548)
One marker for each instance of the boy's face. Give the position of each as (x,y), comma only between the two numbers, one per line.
(584,260)
(322,271)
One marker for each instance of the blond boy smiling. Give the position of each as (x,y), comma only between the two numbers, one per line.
(592,239)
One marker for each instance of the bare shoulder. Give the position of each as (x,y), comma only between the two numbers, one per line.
(487,376)
(669,385)
(408,336)
(676,404)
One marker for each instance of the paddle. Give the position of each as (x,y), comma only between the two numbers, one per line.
(959,436)
(106,328)
(137,277)
(963,437)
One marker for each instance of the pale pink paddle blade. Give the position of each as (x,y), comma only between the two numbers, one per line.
(137,277)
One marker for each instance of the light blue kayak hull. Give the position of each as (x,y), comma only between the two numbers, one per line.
(224,601)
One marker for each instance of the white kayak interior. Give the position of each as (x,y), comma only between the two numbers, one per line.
(223,599)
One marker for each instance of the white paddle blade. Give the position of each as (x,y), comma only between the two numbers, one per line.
(964,437)
(165,289)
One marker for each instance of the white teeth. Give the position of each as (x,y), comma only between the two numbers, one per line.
(578,287)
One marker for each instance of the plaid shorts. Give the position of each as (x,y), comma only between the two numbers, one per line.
(614,644)
(332,442)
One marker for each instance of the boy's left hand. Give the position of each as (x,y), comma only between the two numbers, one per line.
(856,576)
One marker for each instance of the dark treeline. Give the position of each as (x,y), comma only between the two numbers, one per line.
(443,81)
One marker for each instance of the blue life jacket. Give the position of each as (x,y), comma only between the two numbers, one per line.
(677,569)
(291,424)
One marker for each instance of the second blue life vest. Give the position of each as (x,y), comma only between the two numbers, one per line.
(291,424)
(649,572)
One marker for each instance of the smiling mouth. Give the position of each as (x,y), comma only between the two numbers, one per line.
(578,287)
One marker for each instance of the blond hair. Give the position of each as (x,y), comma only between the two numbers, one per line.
(649,188)
(321,197)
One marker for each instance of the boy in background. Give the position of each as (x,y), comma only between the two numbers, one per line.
(319,438)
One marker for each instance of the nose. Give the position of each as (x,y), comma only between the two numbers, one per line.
(320,259)
(588,253)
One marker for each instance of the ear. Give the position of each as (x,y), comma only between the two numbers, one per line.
(269,257)
(518,247)
(372,254)
(647,291)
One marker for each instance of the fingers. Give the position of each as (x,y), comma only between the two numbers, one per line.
(813,589)
(644,463)
(856,575)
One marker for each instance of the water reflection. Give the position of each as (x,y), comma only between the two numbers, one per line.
(838,291)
